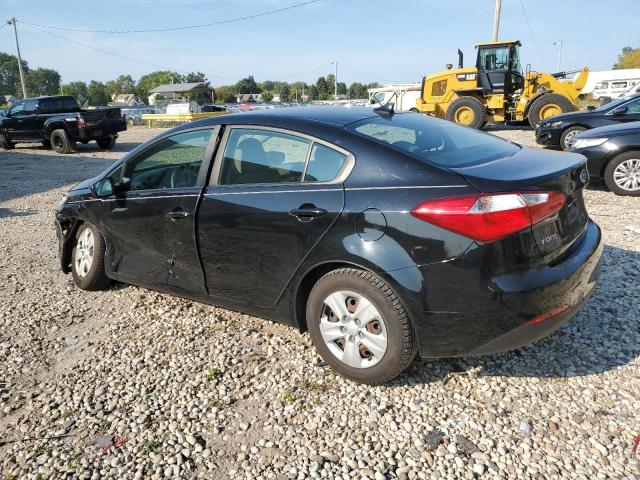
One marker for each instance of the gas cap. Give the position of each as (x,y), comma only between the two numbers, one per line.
(371,225)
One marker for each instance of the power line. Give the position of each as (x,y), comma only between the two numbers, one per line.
(184,27)
(107,52)
(526,19)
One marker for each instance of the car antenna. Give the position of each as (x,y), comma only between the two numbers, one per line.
(385,110)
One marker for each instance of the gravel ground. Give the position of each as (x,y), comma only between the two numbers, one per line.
(129,383)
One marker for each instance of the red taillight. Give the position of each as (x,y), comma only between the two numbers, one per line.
(547,315)
(81,122)
(487,217)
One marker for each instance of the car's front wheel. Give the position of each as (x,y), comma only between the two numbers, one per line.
(622,174)
(567,138)
(359,326)
(88,259)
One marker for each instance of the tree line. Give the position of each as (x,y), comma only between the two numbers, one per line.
(46,81)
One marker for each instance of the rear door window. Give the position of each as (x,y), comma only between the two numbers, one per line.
(432,140)
(263,156)
(325,164)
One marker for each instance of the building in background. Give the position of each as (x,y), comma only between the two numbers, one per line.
(180,93)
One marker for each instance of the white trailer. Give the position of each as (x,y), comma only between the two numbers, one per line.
(402,95)
(611,83)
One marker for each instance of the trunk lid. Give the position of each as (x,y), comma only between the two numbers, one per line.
(540,170)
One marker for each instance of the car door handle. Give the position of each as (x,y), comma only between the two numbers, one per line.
(176,215)
(307,211)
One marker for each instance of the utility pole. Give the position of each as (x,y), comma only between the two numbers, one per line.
(559,44)
(15,32)
(335,83)
(496,20)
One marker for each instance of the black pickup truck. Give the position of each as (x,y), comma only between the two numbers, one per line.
(59,122)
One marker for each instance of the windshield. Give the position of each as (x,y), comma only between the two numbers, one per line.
(611,105)
(433,140)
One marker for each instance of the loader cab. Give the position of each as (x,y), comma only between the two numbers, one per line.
(499,68)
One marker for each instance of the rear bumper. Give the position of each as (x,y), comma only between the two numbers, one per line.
(549,137)
(459,308)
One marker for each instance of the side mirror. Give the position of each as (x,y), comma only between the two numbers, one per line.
(619,110)
(103,188)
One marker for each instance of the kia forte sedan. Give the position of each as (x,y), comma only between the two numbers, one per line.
(383,235)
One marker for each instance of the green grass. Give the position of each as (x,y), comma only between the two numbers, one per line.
(213,374)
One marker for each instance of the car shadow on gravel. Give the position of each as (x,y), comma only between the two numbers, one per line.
(8,212)
(603,336)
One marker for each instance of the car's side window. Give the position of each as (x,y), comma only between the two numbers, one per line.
(17,111)
(263,156)
(324,165)
(30,106)
(173,162)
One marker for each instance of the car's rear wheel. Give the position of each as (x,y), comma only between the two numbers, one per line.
(5,143)
(106,143)
(622,174)
(359,326)
(60,141)
(87,265)
(567,137)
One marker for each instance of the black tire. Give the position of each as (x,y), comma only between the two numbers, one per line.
(566,139)
(610,171)
(546,101)
(106,143)
(5,143)
(60,141)
(94,278)
(401,345)
(470,108)
(414,110)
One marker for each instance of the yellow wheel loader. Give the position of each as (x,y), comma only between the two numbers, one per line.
(497,91)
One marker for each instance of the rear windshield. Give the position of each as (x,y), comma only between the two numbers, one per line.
(433,140)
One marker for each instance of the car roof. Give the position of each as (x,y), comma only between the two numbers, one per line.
(319,115)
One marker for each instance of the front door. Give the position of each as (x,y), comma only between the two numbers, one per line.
(272,197)
(149,225)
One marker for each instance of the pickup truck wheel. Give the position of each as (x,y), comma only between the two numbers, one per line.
(106,142)
(87,265)
(60,141)
(5,143)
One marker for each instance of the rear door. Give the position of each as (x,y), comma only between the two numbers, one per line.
(273,195)
(150,226)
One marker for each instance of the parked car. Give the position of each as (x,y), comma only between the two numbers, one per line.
(613,154)
(629,92)
(381,234)
(559,131)
(59,122)
(133,116)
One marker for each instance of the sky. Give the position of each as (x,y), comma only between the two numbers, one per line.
(371,40)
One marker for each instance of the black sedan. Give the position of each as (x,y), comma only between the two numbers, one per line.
(558,131)
(384,235)
(613,154)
